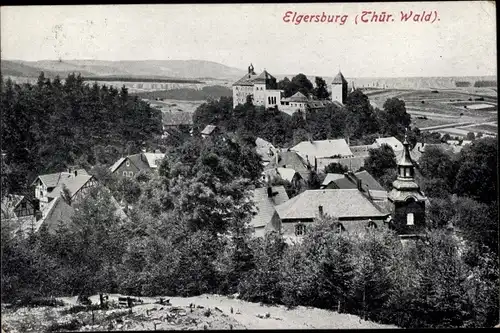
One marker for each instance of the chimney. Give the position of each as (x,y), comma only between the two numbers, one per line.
(277,157)
(320,209)
(269,191)
(358,183)
(315,164)
(76,173)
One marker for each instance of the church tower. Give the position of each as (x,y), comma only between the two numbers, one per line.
(339,88)
(407,201)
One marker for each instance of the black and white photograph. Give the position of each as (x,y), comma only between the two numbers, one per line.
(249,166)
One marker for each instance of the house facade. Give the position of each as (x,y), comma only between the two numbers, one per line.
(129,166)
(49,186)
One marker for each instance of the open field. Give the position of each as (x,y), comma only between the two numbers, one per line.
(169,105)
(444,108)
(178,316)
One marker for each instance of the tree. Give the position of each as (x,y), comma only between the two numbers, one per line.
(435,163)
(335,168)
(394,118)
(361,114)
(477,174)
(380,160)
(302,84)
(471,136)
(321,91)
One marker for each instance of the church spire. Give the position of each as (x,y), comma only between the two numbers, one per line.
(406,169)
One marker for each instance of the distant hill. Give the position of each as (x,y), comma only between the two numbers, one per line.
(187,94)
(438,82)
(189,69)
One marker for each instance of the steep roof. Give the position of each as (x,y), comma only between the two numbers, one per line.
(208,129)
(72,182)
(391,141)
(52,179)
(348,203)
(263,77)
(283,173)
(59,212)
(297,97)
(176,118)
(330,177)
(252,78)
(117,164)
(339,78)
(139,160)
(366,180)
(246,80)
(290,160)
(323,149)
(263,147)
(153,159)
(265,206)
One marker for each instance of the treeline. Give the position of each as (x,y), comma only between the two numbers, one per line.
(49,125)
(138,79)
(485,83)
(462,84)
(188,234)
(358,121)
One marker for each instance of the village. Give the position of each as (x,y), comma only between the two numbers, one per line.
(163,169)
(355,198)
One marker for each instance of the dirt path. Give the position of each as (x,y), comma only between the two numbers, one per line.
(246,313)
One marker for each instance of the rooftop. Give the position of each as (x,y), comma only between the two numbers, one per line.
(208,129)
(323,149)
(344,203)
(265,206)
(339,78)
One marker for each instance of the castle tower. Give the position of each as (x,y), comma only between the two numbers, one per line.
(407,201)
(339,88)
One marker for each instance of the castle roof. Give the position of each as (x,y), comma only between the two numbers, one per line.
(339,78)
(250,79)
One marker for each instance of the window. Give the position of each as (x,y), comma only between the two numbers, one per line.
(408,172)
(340,228)
(300,229)
(131,174)
(128,163)
(125,173)
(409,219)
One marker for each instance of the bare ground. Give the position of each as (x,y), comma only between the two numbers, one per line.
(205,312)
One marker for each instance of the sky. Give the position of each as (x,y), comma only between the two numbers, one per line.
(459,40)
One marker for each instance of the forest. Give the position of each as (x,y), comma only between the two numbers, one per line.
(52,124)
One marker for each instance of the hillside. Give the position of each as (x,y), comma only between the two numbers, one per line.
(187,94)
(149,68)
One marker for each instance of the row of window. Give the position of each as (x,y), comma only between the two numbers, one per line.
(128,173)
(300,229)
(271,100)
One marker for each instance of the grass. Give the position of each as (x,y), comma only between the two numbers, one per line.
(422,123)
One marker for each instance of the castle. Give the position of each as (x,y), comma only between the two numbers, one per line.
(263,89)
